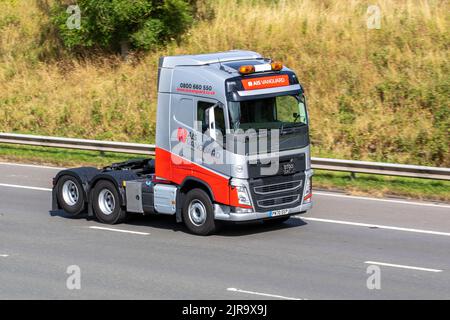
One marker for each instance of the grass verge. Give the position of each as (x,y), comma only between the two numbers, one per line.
(61,157)
(373,94)
(363,184)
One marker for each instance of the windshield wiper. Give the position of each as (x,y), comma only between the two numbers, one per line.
(290,127)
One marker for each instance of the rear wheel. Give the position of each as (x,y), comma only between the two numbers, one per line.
(106,203)
(70,195)
(198,213)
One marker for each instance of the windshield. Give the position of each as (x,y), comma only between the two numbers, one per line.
(285,113)
(269,113)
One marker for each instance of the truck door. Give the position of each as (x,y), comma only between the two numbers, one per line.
(211,131)
(181,128)
(211,167)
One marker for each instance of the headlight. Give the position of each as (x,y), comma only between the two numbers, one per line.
(243,197)
(308,190)
(239,195)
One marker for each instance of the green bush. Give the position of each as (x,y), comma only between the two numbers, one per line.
(119,25)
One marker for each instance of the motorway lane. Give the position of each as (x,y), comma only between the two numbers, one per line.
(408,214)
(302,259)
(27,175)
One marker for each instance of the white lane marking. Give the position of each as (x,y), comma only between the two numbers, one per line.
(30,165)
(120,230)
(402,266)
(426,204)
(23,187)
(4,255)
(379,226)
(262,294)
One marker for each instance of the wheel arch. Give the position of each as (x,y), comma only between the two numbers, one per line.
(190,183)
(83,175)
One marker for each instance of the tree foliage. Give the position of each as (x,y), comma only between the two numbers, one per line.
(113,25)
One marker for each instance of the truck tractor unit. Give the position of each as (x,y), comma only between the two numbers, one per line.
(206,168)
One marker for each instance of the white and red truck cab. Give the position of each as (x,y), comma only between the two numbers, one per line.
(232,144)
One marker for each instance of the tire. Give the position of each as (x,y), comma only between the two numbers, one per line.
(276,221)
(106,203)
(70,195)
(198,213)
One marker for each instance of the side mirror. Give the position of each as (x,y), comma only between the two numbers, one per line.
(209,113)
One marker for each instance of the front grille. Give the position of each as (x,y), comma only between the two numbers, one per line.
(297,164)
(278,187)
(277,192)
(267,203)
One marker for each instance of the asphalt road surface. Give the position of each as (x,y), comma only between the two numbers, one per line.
(324,254)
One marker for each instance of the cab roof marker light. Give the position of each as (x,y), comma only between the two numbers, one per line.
(276,66)
(246,69)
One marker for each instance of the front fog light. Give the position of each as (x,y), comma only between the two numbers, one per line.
(241,210)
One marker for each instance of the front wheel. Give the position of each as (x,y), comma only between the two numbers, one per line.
(198,213)
(106,203)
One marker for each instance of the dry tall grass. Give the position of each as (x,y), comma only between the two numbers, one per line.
(373,94)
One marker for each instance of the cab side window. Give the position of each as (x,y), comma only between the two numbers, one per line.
(219,116)
(220,119)
(201,114)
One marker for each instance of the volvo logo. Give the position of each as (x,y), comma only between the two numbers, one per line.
(288,168)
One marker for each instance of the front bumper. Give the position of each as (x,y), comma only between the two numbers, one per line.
(224,213)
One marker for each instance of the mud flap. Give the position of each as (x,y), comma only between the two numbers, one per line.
(55,205)
(179,201)
(89,206)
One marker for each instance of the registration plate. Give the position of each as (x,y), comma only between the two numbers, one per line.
(277,213)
